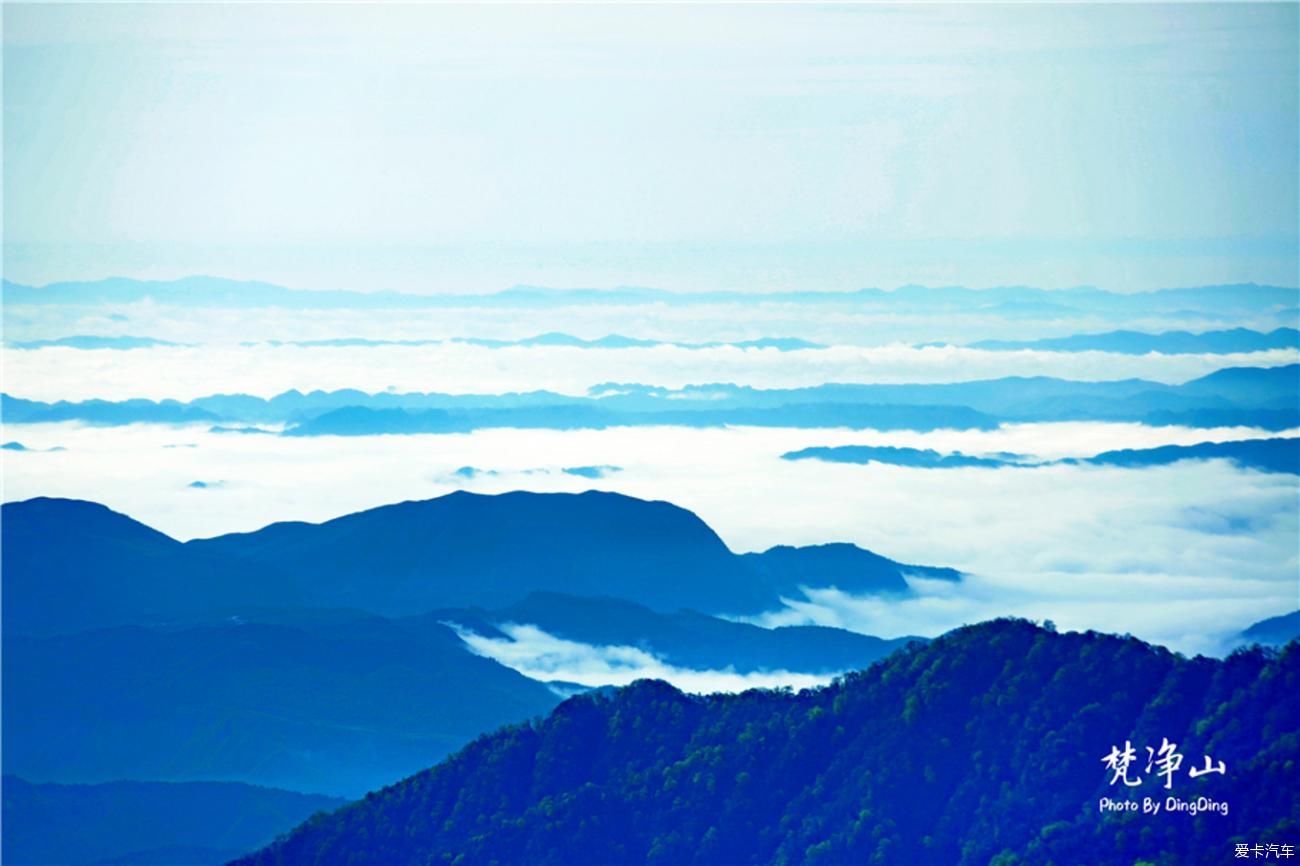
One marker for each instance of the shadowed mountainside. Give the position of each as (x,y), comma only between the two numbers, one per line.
(72,565)
(1274,631)
(337,707)
(145,822)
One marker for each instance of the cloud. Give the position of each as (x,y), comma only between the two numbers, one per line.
(543,656)
(187,372)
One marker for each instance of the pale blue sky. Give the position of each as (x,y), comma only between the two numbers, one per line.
(460,148)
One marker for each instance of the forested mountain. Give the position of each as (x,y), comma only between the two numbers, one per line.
(72,565)
(1248,396)
(986,746)
(145,822)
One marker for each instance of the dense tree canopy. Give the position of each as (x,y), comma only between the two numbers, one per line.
(984,747)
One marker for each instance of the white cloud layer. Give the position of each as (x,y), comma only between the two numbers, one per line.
(543,656)
(1184,554)
(182,373)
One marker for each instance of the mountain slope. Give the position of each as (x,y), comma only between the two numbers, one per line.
(72,565)
(132,821)
(1248,396)
(984,746)
(1265,455)
(1274,631)
(468,549)
(338,707)
(846,567)
(1167,343)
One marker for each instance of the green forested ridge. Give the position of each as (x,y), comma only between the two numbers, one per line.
(983,747)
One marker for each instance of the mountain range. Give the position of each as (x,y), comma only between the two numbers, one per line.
(1221,342)
(1263,397)
(72,565)
(1265,455)
(989,745)
(1023,301)
(273,657)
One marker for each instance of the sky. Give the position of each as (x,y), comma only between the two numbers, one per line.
(459,148)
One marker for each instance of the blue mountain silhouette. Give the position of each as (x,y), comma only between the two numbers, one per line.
(71,565)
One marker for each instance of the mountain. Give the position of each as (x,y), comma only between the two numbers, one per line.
(362,421)
(846,567)
(1240,396)
(1012,301)
(335,704)
(986,746)
(72,565)
(1275,631)
(91,341)
(69,565)
(146,822)
(465,549)
(1167,343)
(921,458)
(1260,387)
(1265,455)
(106,412)
(684,639)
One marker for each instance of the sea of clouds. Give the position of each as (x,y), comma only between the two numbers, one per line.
(185,372)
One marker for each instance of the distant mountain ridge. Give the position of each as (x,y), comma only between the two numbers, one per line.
(609,341)
(1221,342)
(72,565)
(1264,397)
(201,291)
(92,341)
(928,758)
(1280,454)
(1274,631)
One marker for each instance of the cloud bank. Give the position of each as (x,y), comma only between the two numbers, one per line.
(543,656)
(183,373)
